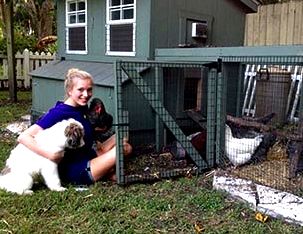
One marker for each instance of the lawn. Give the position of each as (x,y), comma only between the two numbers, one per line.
(180,205)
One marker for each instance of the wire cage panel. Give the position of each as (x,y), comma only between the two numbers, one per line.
(163,109)
(262,120)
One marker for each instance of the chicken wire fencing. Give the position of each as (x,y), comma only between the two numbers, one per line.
(259,127)
(241,115)
(166,112)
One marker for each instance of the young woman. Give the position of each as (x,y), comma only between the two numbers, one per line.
(82,166)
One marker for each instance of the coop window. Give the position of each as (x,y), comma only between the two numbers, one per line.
(76,26)
(121,27)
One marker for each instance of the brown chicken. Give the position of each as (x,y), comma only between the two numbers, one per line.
(101,121)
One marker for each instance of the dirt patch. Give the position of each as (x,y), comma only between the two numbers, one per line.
(7,136)
(11,131)
(149,164)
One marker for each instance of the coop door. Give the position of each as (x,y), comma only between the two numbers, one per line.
(185,89)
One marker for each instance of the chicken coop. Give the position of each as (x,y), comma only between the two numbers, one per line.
(190,110)
(164,108)
(240,114)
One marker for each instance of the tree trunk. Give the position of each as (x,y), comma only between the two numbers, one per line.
(12,82)
(41,16)
(2,15)
(47,19)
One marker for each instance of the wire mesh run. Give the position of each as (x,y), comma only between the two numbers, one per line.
(184,118)
(262,121)
(164,109)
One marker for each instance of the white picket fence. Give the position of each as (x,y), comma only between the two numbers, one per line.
(25,63)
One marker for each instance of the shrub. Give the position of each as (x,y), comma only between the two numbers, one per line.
(21,42)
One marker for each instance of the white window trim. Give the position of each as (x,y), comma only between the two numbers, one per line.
(119,22)
(67,26)
(124,6)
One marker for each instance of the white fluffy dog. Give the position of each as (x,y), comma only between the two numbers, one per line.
(23,164)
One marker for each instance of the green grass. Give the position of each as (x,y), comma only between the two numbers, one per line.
(12,111)
(168,206)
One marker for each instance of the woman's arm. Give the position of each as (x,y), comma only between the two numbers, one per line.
(27,138)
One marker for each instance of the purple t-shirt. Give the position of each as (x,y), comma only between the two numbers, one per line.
(72,157)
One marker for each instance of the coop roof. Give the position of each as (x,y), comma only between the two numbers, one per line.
(251,5)
(103,73)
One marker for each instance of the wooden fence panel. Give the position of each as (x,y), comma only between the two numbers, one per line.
(291,23)
(298,23)
(263,26)
(283,24)
(275,24)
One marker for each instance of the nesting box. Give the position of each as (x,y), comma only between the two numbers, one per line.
(272,89)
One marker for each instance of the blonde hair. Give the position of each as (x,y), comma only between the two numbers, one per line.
(73,73)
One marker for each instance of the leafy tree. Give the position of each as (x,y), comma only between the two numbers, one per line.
(21,41)
(36,16)
(23,23)
(33,20)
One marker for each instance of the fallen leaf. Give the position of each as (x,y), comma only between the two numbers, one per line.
(199,227)
(261,217)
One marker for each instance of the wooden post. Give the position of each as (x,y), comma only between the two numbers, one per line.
(26,68)
(12,82)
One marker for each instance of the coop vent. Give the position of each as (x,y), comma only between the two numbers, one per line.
(199,30)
